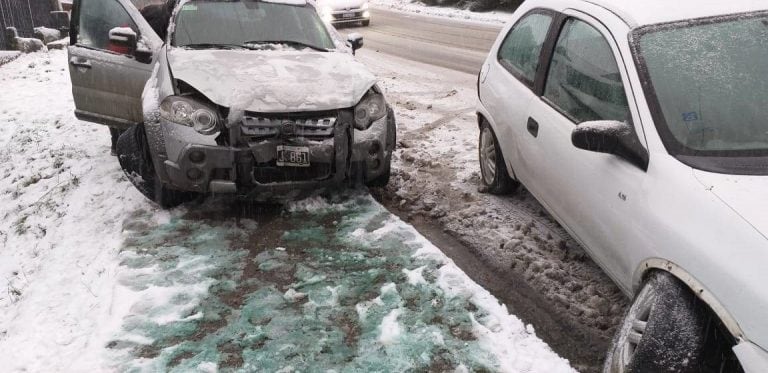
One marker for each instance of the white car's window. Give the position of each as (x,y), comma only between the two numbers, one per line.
(711,85)
(97,17)
(520,51)
(584,80)
(251,23)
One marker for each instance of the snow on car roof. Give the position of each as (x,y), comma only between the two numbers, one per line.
(647,12)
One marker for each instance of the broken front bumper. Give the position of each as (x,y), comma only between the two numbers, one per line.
(339,155)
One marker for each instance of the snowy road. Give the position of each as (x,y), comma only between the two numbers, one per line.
(449,43)
(95,278)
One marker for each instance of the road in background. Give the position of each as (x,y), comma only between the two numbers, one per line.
(448,43)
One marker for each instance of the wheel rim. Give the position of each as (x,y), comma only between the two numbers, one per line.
(488,156)
(633,329)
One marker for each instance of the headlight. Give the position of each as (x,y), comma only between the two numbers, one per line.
(190,113)
(365,6)
(370,109)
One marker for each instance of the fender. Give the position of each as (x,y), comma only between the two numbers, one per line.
(696,287)
(482,115)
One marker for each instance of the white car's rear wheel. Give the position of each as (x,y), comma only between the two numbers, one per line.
(493,170)
(663,331)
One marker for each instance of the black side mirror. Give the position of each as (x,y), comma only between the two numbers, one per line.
(355,41)
(143,55)
(610,137)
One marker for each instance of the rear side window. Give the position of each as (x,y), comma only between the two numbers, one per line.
(584,80)
(97,18)
(520,51)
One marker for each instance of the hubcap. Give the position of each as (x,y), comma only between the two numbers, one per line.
(488,156)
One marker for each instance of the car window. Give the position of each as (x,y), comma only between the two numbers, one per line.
(249,22)
(584,80)
(97,17)
(520,51)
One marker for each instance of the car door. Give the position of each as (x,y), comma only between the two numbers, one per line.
(508,83)
(594,195)
(108,80)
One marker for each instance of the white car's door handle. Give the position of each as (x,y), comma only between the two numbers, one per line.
(85,64)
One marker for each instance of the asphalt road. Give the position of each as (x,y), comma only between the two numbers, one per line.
(448,43)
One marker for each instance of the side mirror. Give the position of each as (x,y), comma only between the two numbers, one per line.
(610,137)
(143,55)
(123,39)
(355,41)
(126,41)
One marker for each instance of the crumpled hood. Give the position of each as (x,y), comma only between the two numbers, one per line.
(273,81)
(744,194)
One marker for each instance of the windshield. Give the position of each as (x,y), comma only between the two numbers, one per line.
(250,24)
(708,85)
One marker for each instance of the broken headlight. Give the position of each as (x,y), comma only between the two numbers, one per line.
(190,113)
(370,109)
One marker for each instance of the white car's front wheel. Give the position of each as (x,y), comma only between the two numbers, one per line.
(493,170)
(663,331)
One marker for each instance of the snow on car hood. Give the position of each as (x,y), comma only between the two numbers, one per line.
(273,81)
(744,194)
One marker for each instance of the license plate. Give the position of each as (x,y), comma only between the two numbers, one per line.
(348,15)
(292,156)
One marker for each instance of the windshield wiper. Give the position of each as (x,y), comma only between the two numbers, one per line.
(213,46)
(288,42)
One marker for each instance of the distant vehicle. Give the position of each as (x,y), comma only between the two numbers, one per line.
(641,127)
(345,12)
(254,98)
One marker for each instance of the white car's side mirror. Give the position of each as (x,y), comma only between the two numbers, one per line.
(610,137)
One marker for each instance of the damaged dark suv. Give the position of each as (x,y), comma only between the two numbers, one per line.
(261,99)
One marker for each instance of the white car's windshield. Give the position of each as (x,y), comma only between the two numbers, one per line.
(710,82)
(249,24)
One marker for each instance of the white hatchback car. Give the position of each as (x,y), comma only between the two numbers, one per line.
(642,127)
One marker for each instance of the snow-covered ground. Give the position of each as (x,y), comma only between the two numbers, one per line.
(94,278)
(408,6)
(8,56)
(437,175)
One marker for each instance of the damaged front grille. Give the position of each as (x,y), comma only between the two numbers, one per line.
(256,127)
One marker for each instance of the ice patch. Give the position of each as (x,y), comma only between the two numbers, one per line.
(416,277)
(294,296)
(390,328)
(207,367)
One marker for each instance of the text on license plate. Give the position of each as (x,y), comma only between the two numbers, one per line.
(348,15)
(292,156)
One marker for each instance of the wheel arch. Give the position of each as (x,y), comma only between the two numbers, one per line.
(482,117)
(649,266)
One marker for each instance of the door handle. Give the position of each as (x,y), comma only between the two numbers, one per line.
(533,127)
(85,64)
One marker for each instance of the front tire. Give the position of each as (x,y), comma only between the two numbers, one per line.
(383,179)
(493,169)
(134,157)
(663,331)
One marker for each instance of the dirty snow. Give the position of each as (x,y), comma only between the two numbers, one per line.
(436,176)
(99,279)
